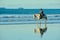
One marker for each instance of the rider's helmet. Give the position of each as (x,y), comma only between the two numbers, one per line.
(41,9)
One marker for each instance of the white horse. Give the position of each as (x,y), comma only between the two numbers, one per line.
(39,16)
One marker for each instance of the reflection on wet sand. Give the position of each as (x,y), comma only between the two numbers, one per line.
(41,31)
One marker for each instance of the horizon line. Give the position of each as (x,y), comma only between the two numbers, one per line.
(27,8)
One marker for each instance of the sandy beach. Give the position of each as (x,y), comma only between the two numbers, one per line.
(25,32)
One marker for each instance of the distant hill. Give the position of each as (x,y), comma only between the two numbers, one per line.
(28,11)
(18,11)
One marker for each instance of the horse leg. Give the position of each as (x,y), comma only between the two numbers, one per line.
(37,25)
(45,23)
(40,24)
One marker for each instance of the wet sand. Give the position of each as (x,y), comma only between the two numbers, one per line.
(25,32)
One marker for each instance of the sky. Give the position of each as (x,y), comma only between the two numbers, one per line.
(31,4)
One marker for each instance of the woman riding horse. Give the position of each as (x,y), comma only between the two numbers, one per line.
(40,15)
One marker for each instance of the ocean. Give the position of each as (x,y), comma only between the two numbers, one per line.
(53,16)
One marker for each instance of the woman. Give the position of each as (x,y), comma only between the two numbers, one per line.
(41,13)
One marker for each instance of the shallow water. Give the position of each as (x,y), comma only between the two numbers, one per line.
(27,19)
(25,32)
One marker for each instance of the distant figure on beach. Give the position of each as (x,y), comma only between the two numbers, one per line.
(39,16)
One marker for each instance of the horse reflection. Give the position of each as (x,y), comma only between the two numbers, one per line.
(41,30)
